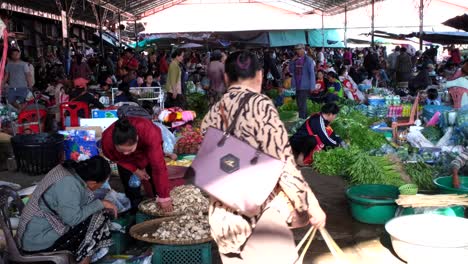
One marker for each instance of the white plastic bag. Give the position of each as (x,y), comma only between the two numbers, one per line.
(119,200)
(445,140)
(417,139)
(169,140)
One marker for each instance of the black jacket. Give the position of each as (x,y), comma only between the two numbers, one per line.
(318,125)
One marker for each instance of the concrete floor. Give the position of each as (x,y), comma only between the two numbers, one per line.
(364,244)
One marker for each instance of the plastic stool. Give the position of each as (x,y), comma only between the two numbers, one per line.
(71,110)
(29,122)
(457,93)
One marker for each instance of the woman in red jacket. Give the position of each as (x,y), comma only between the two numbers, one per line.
(135,144)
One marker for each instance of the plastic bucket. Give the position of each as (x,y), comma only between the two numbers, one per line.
(373,203)
(456,210)
(445,185)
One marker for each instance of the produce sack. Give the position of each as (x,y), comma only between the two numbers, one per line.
(79,145)
(169,140)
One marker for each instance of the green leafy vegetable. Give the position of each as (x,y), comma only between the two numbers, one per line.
(197,102)
(352,126)
(288,116)
(432,134)
(334,161)
(421,174)
(272,93)
(312,107)
(367,169)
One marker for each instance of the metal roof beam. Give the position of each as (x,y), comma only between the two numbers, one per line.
(160,8)
(48,15)
(71,10)
(113,8)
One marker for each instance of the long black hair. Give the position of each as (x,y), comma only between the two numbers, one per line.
(95,169)
(124,133)
(242,65)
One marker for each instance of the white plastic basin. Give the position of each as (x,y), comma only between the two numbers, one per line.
(429,238)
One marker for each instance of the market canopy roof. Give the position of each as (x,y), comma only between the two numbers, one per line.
(444,38)
(83,12)
(458,22)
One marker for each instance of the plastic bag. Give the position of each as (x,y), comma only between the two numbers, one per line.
(169,140)
(417,140)
(445,140)
(119,200)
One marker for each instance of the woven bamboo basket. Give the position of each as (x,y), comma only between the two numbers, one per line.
(151,226)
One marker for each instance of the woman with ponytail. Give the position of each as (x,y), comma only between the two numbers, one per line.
(62,213)
(135,144)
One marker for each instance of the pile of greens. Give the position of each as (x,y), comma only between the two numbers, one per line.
(272,93)
(312,107)
(197,102)
(421,174)
(352,126)
(366,169)
(334,161)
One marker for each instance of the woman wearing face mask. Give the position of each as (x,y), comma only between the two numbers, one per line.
(135,144)
(62,213)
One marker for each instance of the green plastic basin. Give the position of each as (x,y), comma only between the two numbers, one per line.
(373,203)
(456,210)
(445,185)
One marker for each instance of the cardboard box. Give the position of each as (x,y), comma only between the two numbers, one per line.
(97,113)
(104,123)
(98,129)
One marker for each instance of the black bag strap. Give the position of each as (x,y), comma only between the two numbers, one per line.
(243,102)
(230,130)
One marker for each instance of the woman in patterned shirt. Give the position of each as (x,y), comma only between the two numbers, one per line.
(265,238)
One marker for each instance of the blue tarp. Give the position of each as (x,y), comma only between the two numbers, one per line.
(333,38)
(287,38)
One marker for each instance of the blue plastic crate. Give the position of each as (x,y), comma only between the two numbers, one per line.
(182,254)
(122,241)
(142,217)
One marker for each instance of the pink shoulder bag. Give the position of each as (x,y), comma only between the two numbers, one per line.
(229,169)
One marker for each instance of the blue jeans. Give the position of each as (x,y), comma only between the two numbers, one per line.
(17,94)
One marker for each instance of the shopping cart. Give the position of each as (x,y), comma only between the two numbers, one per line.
(155,94)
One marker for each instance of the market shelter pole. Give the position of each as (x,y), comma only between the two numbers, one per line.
(345,24)
(421,23)
(323,33)
(372,23)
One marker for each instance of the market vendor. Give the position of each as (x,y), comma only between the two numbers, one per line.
(135,144)
(80,94)
(62,214)
(319,94)
(458,163)
(335,86)
(315,135)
